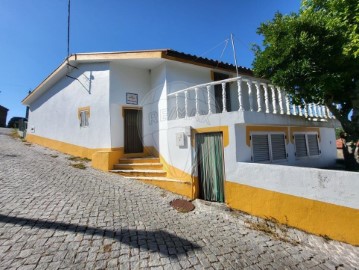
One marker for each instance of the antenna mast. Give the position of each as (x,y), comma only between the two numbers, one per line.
(234,53)
(68,28)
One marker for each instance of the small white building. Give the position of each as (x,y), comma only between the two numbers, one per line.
(189,125)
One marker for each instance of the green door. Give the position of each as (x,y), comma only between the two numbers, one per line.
(209,153)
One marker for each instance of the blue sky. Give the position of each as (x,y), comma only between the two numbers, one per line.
(33,34)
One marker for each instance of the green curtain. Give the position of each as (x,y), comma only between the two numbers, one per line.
(210,166)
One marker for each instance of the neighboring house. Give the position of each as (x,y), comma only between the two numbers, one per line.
(3,115)
(191,125)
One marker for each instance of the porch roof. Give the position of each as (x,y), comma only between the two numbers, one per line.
(95,57)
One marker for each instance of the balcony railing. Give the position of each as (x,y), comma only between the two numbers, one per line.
(252,94)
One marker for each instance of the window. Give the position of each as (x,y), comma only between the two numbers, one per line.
(268,147)
(306,144)
(84,115)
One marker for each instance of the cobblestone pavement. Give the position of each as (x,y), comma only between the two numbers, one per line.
(54,216)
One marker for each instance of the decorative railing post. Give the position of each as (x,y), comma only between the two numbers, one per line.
(266,99)
(186,103)
(305,111)
(315,112)
(224,98)
(209,99)
(280,101)
(294,108)
(319,109)
(310,112)
(300,110)
(177,113)
(329,114)
(287,104)
(274,101)
(196,100)
(250,95)
(259,98)
(240,102)
(324,112)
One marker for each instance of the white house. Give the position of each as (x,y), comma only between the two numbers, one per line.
(193,126)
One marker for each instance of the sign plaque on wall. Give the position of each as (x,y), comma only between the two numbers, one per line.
(132,98)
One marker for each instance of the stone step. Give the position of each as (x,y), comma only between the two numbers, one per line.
(139,160)
(135,173)
(138,166)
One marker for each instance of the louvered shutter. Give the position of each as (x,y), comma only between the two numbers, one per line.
(300,145)
(313,144)
(278,146)
(260,146)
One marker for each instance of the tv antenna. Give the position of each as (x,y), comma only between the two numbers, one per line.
(68,27)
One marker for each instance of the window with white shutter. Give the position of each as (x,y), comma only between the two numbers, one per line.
(306,144)
(260,148)
(313,144)
(279,151)
(84,122)
(268,147)
(300,145)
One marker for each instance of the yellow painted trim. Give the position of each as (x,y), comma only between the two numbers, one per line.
(116,56)
(250,129)
(320,218)
(305,130)
(223,129)
(123,108)
(83,109)
(63,147)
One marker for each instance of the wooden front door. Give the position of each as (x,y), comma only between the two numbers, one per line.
(209,153)
(133,131)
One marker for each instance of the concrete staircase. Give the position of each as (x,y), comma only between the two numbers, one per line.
(149,169)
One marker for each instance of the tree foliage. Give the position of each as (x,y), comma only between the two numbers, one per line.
(314,55)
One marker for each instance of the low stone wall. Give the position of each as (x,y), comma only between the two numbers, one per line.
(323,202)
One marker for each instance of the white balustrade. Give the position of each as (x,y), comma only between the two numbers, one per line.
(186,104)
(324,112)
(177,112)
(287,104)
(224,98)
(196,100)
(209,99)
(240,101)
(305,111)
(266,98)
(259,98)
(300,110)
(281,110)
(280,100)
(250,95)
(274,101)
(294,109)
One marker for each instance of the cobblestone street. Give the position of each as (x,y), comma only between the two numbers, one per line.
(55,216)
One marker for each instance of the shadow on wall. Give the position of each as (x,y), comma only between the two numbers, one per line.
(155,241)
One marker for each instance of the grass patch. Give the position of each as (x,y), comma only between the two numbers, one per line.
(54,156)
(14,134)
(78,165)
(79,159)
(273,228)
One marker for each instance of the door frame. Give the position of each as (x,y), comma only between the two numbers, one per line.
(137,108)
(198,184)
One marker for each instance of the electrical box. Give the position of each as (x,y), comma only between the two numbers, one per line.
(180,139)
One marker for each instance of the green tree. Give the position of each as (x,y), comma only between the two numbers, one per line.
(314,55)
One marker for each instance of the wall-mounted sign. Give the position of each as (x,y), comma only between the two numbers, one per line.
(132,98)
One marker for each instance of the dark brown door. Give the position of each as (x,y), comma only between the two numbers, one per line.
(133,131)
(218,93)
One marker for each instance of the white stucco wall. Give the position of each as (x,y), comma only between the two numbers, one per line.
(54,115)
(336,187)
(126,79)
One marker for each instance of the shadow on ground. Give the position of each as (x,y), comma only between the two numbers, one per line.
(157,241)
